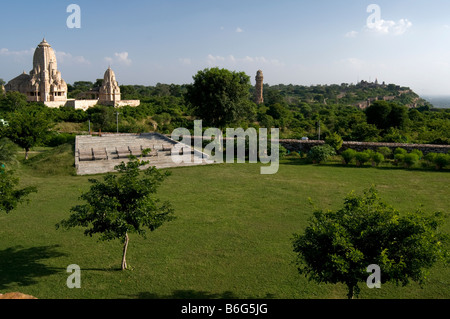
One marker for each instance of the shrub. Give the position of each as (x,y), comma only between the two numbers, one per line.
(430,157)
(400,150)
(410,159)
(377,158)
(441,160)
(398,158)
(419,153)
(385,151)
(348,155)
(362,158)
(321,153)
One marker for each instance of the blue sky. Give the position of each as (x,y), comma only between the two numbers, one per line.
(298,42)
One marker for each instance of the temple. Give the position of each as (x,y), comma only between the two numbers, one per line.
(45,84)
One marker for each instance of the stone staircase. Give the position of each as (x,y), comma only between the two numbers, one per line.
(100,154)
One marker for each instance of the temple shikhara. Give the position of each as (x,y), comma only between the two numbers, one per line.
(45,84)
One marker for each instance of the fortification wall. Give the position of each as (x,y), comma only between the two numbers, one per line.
(305,146)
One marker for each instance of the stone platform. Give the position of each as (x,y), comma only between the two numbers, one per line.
(100,154)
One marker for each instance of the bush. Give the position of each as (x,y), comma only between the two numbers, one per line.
(377,158)
(441,160)
(410,159)
(419,153)
(430,157)
(362,158)
(385,151)
(398,158)
(321,153)
(400,150)
(348,155)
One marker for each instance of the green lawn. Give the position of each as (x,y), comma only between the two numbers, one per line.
(232,237)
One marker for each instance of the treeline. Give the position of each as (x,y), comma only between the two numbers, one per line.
(299,111)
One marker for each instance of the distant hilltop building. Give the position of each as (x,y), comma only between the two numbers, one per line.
(45,84)
(259,87)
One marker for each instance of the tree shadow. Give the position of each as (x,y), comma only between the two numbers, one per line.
(194,294)
(22,265)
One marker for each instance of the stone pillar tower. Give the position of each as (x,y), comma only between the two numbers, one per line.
(259,87)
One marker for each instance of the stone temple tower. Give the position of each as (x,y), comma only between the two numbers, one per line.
(259,87)
(109,91)
(44,83)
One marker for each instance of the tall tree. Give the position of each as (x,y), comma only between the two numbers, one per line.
(122,204)
(337,247)
(220,97)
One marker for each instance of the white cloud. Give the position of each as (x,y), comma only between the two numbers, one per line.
(64,57)
(121,57)
(7,52)
(239,30)
(390,27)
(351,34)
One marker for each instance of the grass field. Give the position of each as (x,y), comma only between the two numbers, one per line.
(231,239)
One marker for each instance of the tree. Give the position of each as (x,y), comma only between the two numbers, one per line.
(28,127)
(10,196)
(334,140)
(337,247)
(122,204)
(348,155)
(321,153)
(362,157)
(219,96)
(377,158)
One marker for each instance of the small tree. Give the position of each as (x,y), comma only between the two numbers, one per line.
(377,158)
(362,158)
(348,155)
(441,160)
(321,153)
(28,126)
(410,159)
(337,247)
(122,204)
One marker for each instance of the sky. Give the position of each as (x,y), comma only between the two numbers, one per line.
(406,42)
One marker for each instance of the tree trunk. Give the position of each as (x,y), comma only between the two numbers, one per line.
(124,257)
(26,153)
(350,291)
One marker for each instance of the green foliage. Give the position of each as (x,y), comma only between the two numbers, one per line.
(8,151)
(362,157)
(334,140)
(377,158)
(321,153)
(348,155)
(10,195)
(441,160)
(386,151)
(400,150)
(29,126)
(220,97)
(410,159)
(122,204)
(338,246)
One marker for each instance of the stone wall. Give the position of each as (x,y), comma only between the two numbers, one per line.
(305,146)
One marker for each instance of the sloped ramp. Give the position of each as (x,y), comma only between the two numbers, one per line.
(100,154)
